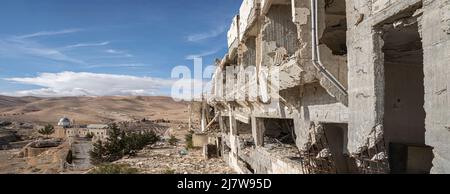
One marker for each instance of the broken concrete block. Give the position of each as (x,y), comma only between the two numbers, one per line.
(199,140)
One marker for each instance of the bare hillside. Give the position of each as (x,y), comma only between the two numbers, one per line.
(85,110)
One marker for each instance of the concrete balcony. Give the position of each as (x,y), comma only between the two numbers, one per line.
(288,71)
(248,14)
(266,4)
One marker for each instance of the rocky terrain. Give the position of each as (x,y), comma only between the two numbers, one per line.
(175,160)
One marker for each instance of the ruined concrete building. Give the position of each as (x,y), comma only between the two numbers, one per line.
(363,87)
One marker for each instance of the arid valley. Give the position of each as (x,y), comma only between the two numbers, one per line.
(22,117)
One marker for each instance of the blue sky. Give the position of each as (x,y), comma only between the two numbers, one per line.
(106,47)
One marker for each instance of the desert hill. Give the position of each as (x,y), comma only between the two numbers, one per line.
(85,110)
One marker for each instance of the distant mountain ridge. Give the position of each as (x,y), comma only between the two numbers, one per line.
(6,101)
(91,109)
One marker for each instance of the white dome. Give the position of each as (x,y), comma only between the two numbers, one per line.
(64,122)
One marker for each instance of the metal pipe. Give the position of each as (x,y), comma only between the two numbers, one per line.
(316,49)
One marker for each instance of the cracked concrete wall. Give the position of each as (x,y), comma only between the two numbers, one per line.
(263,162)
(366,72)
(248,53)
(301,15)
(246,59)
(335,64)
(436,43)
(316,106)
(286,31)
(279,35)
(332,33)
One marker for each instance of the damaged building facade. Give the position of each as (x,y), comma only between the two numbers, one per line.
(363,87)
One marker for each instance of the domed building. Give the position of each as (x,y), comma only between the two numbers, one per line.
(64,122)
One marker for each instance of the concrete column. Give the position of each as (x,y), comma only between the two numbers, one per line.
(203,121)
(258,131)
(221,124)
(233,123)
(299,141)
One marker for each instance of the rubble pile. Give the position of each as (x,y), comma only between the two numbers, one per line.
(175,160)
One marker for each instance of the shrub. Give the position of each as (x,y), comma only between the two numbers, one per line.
(173,140)
(90,135)
(189,142)
(47,130)
(169,171)
(114,169)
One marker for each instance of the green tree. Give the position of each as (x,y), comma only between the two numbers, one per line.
(131,144)
(47,130)
(97,153)
(114,145)
(134,142)
(119,144)
(173,140)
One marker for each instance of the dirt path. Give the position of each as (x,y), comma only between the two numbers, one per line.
(80,151)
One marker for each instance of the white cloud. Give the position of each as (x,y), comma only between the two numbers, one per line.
(206,35)
(48,33)
(16,47)
(19,46)
(87,45)
(90,84)
(127,65)
(202,54)
(112,51)
(118,53)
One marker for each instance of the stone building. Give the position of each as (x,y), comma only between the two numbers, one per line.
(67,129)
(363,87)
(98,132)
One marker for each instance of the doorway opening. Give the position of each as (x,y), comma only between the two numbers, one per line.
(404,94)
